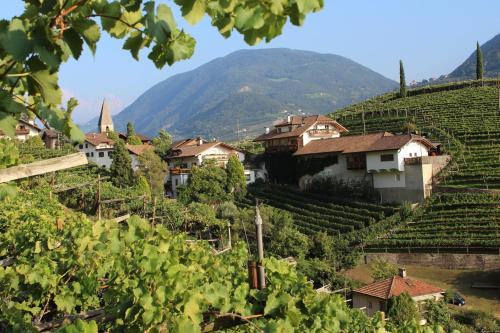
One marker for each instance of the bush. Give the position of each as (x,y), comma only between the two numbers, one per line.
(383,270)
(326,183)
(402,309)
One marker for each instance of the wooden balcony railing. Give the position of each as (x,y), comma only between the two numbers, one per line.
(282,148)
(321,132)
(179,171)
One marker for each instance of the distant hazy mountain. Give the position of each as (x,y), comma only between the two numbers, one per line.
(491,56)
(250,89)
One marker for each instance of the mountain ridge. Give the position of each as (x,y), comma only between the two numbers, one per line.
(250,88)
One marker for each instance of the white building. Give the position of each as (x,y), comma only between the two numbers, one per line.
(398,166)
(25,129)
(187,153)
(98,147)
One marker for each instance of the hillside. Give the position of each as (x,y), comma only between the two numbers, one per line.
(491,56)
(464,117)
(253,87)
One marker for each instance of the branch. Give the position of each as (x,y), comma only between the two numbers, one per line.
(133,26)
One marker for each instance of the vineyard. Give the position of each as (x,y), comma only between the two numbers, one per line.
(451,222)
(465,121)
(316,213)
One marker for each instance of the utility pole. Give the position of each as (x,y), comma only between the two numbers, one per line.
(98,197)
(260,249)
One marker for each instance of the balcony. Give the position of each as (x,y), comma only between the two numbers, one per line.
(179,171)
(322,132)
(282,148)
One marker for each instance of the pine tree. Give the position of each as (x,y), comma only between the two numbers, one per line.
(121,171)
(402,80)
(479,62)
(236,182)
(130,130)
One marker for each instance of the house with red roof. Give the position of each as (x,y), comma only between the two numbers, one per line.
(375,296)
(399,166)
(184,154)
(98,147)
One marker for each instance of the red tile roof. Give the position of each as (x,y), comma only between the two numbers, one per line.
(138,149)
(96,139)
(183,149)
(397,285)
(361,143)
(303,123)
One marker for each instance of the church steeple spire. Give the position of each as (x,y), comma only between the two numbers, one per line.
(105,121)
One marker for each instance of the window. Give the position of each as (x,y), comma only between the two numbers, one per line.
(101,154)
(92,154)
(176,182)
(87,154)
(386,157)
(356,162)
(370,305)
(80,146)
(247,177)
(381,305)
(327,127)
(86,145)
(398,177)
(110,154)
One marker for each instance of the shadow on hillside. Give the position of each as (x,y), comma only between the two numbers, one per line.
(463,284)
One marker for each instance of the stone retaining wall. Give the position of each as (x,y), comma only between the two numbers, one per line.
(443,260)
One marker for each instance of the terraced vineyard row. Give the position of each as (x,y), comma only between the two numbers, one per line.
(450,220)
(466,121)
(315,213)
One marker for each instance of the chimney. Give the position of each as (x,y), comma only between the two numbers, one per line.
(288,118)
(267,130)
(199,141)
(402,272)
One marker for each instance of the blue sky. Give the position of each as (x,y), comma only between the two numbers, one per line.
(431,36)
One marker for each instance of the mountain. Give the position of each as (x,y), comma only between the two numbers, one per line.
(252,88)
(491,56)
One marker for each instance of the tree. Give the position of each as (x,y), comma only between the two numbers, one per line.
(402,309)
(206,184)
(236,182)
(154,170)
(162,143)
(121,171)
(382,269)
(33,45)
(322,246)
(402,80)
(132,138)
(437,313)
(479,62)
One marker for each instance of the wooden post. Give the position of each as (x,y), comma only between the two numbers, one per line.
(229,235)
(260,249)
(144,206)
(98,197)
(154,211)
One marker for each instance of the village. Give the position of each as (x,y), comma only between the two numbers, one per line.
(249,166)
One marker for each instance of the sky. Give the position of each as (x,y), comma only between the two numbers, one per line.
(432,37)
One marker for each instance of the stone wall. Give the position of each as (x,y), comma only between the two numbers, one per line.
(443,260)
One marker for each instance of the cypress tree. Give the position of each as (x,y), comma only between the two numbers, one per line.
(130,130)
(402,80)
(121,171)
(479,63)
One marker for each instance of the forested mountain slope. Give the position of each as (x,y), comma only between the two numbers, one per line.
(252,88)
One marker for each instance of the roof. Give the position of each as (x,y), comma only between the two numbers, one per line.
(96,139)
(361,143)
(140,136)
(50,133)
(30,124)
(138,149)
(397,285)
(182,149)
(105,116)
(303,123)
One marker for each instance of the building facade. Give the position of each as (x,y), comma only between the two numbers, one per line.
(185,154)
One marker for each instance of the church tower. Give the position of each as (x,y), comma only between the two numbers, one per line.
(105,121)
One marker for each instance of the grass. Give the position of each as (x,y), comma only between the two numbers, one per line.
(487,300)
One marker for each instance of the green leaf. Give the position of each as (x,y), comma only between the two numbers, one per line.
(15,40)
(45,83)
(65,303)
(80,326)
(74,41)
(89,31)
(276,300)
(134,44)
(182,324)
(192,10)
